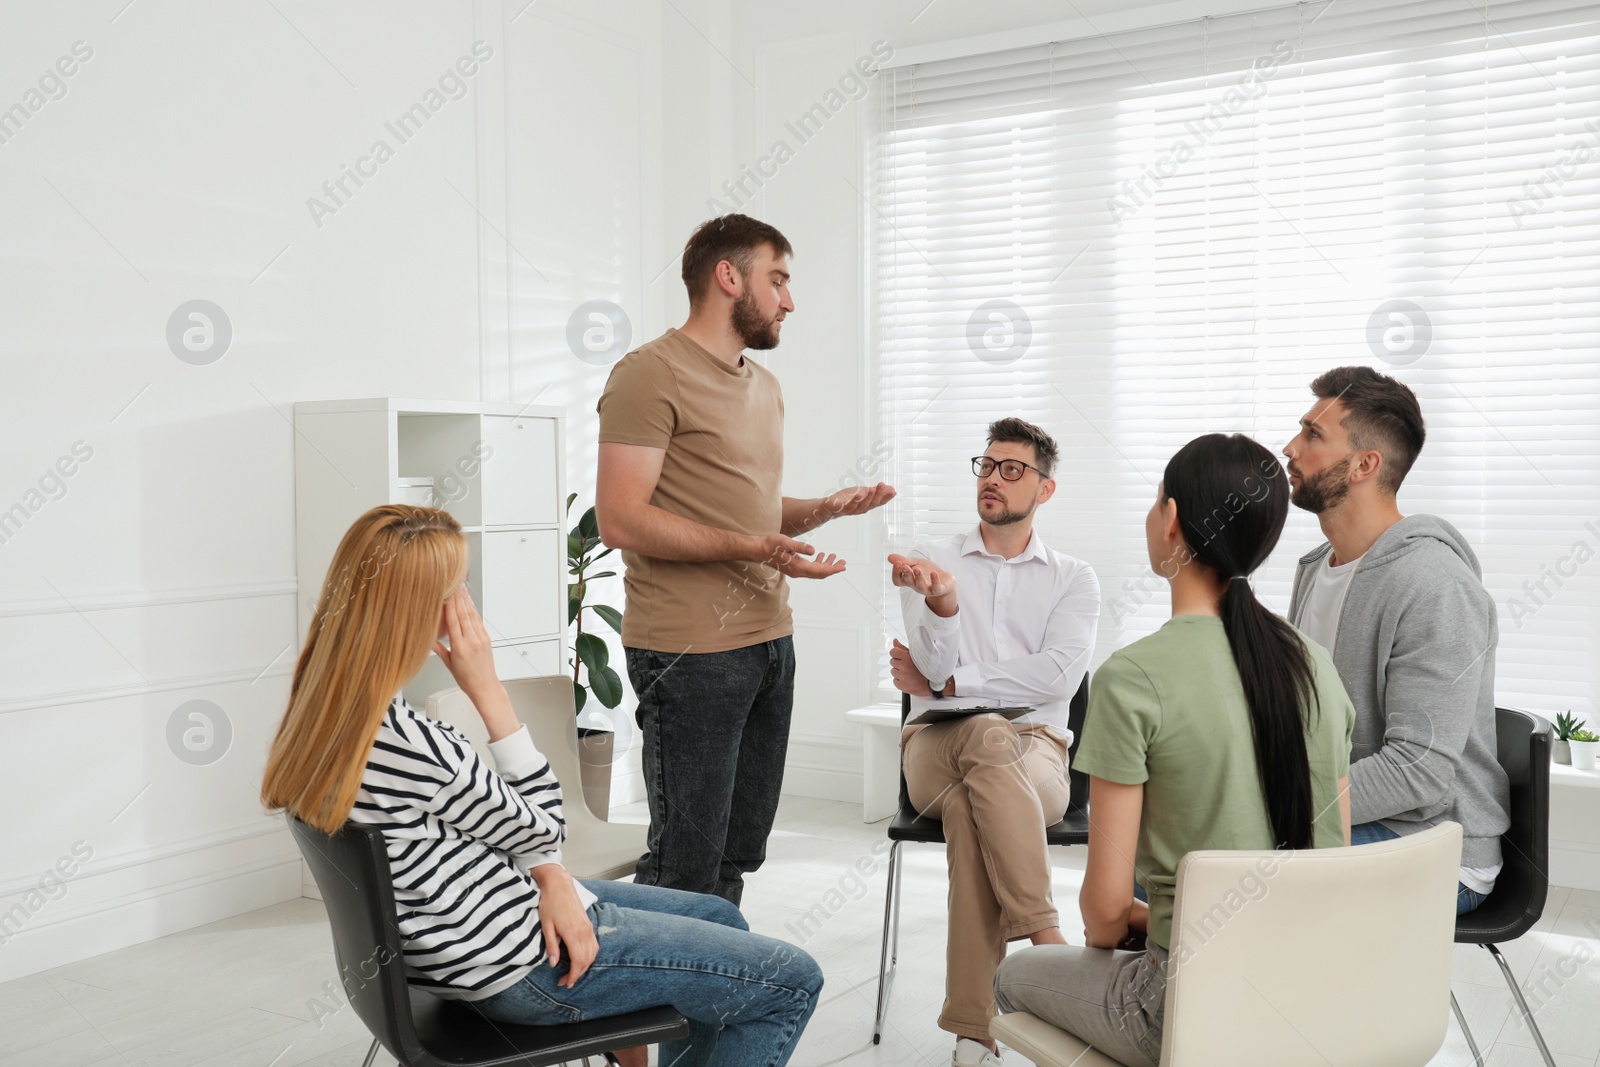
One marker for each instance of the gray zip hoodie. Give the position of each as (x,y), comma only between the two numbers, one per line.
(1415,649)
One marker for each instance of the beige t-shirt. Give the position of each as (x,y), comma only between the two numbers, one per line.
(722,429)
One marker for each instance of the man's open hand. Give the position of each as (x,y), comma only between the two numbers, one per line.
(858,499)
(922,575)
(797,559)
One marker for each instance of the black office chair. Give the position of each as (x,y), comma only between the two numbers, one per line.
(417,1028)
(1517,901)
(909,824)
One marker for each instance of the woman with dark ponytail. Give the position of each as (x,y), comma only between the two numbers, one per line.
(1224,729)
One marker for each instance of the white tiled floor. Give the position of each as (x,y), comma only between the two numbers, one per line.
(245,992)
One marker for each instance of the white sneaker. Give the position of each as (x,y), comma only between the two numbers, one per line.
(970,1053)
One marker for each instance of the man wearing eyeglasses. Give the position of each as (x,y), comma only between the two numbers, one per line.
(994,617)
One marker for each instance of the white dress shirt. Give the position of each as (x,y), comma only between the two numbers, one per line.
(1022,634)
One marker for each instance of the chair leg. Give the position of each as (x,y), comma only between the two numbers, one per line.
(372,1054)
(1527,1016)
(888,956)
(1477,1057)
(899,898)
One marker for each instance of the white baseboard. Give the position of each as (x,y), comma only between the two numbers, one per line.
(63,934)
(825,768)
(821,780)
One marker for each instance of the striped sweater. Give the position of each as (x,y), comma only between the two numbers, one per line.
(460,839)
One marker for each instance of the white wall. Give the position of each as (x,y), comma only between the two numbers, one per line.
(177,166)
(783,61)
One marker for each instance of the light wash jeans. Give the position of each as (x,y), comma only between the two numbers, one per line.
(1367,833)
(747,997)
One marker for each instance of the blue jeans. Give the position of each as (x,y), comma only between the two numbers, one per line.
(1367,833)
(747,997)
(716,729)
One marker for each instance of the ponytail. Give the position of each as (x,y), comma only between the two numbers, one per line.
(1276,674)
(1233,498)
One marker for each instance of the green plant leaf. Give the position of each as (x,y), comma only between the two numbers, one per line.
(574,547)
(612,616)
(592,650)
(589,526)
(570,498)
(602,555)
(602,574)
(607,687)
(573,607)
(579,695)
(590,544)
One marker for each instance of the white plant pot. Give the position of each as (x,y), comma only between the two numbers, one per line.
(1584,754)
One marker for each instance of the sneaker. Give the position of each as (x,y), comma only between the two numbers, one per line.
(970,1053)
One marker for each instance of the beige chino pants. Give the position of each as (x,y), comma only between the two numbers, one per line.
(996,787)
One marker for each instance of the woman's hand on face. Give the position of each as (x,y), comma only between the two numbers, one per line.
(470,660)
(471,655)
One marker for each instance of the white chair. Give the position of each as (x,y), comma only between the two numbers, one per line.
(594,848)
(1338,956)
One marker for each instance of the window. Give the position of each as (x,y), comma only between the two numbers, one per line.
(1135,239)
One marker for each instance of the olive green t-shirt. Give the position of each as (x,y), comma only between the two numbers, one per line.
(722,430)
(1169,711)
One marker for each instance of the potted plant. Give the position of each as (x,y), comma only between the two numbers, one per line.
(1585,749)
(590,663)
(1565,724)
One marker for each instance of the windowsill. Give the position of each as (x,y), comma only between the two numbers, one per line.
(1562,774)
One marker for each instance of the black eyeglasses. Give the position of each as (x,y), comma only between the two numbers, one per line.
(1010,469)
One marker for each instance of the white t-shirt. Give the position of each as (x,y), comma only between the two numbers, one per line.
(1319,620)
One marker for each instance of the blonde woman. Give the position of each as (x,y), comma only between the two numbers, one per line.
(487,913)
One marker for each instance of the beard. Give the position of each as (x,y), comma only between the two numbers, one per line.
(1007,516)
(755,333)
(1325,490)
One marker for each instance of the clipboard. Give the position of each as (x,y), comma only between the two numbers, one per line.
(929,716)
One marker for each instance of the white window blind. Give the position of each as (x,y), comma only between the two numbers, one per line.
(1185,225)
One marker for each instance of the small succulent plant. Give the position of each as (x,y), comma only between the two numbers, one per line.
(1566,723)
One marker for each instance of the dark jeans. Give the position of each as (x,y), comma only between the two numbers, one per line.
(716,728)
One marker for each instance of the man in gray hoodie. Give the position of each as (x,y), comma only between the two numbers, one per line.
(1399,601)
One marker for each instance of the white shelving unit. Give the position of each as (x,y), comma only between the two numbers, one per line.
(498,468)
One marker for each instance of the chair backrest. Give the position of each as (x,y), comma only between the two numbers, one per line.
(351,868)
(1523,744)
(1078,799)
(1077,711)
(546,707)
(1317,956)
